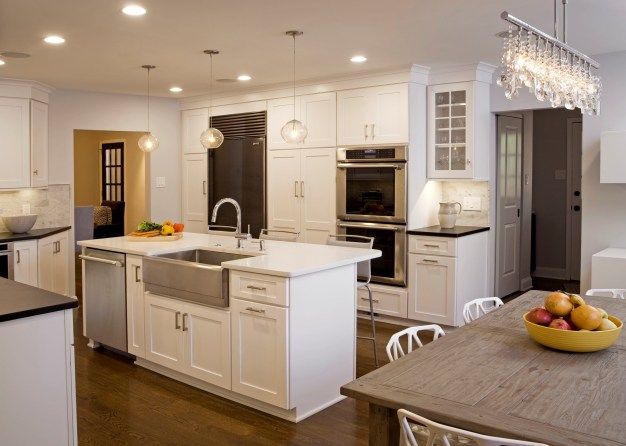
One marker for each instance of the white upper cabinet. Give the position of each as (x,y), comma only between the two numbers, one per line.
(39,143)
(316,111)
(458,128)
(374,115)
(194,122)
(14,143)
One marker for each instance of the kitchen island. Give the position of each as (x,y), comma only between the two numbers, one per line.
(284,341)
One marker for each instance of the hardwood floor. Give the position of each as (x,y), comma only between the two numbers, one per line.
(119,403)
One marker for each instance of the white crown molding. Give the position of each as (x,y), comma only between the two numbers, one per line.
(480,72)
(27,89)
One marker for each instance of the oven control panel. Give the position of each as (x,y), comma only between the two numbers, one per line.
(364,154)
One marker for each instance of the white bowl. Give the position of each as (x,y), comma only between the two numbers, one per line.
(18,224)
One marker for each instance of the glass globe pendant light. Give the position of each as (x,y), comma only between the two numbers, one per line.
(294,131)
(148,142)
(211,138)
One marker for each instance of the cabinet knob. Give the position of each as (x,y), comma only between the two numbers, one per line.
(36,172)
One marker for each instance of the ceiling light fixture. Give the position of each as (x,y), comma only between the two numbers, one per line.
(54,40)
(244,77)
(148,142)
(176,89)
(134,10)
(2,62)
(294,131)
(358,59)
(550,68)
(211,138)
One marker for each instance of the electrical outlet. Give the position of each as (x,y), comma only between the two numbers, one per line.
(471,204)
(160,181)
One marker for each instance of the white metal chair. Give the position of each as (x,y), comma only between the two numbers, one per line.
(279,234)
(394,346)
(364,275)
(419,431)
(617,293)
(479,307)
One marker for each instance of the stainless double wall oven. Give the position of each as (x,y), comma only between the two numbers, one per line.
(371,201)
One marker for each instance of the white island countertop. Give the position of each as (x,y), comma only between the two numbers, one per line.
(286,259)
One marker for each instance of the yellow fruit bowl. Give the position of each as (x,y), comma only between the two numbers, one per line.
(574,341)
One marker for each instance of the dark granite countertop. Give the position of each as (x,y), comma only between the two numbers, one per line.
(18,301)
(457,231)
(8,237)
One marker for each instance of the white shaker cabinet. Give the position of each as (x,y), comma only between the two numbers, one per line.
(163,331)
(193,123)
(53,263)
(195,190)
(283,190)
(38,143)
(14,143)
(279,112)
(135,306)
(259,348)
(373,115)
(25,262)
(432,280)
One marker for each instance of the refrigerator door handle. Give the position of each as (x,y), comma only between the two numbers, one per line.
(295,189)
(204,187)
(302,189)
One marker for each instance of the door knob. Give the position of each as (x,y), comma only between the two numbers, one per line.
(577,193)
(576,208)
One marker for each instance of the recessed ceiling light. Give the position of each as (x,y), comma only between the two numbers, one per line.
(176,89)
(244,77)
(358,59)
(54,40)
(134,10)
(2,62)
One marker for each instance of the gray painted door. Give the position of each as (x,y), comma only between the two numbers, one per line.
(574,153)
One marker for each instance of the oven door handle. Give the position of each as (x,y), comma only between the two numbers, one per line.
(397,166)
(370,226)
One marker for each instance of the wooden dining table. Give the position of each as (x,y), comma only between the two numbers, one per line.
(490,377)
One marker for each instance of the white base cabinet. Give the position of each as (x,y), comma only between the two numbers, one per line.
(444,274)
(25,262)
(195,192)
(53,263)
(135,306)
(386,299)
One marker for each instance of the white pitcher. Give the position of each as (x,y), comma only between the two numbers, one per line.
(448,213)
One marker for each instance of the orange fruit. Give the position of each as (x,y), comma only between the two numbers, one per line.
(586,317)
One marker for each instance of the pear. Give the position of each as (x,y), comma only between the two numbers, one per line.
(605,315)
(606,324)
(576,300)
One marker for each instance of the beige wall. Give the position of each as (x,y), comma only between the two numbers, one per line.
(87,172)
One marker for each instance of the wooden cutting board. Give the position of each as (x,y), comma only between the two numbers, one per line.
(156,238)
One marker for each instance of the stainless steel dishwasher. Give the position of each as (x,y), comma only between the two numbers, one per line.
(104,297)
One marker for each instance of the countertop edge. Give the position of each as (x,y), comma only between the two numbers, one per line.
(38,311)
(46,232)
(432,231)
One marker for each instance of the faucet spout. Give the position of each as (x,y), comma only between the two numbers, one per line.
(238,235)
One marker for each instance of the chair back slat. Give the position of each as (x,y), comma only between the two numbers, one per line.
(616,293)
(363,269)
(394,346)
(480,307)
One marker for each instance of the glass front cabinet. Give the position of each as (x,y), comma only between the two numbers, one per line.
(451,138)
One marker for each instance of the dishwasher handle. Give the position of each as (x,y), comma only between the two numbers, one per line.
(100,260)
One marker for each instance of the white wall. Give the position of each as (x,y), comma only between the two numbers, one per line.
(603,205)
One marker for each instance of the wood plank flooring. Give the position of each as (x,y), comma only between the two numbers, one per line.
(119,403)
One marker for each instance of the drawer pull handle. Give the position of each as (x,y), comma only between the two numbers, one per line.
(256,288)
(176,323)
(430,261)
(376,301)
(431,246)
(255,310)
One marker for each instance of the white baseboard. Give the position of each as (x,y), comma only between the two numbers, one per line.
(526,283)
(549,273)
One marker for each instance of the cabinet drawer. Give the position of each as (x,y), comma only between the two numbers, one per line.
(259,288)
(385,301)
(442,246)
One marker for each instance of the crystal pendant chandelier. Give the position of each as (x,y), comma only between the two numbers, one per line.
(148,142)
(294,131)
(551,69)
(211,138)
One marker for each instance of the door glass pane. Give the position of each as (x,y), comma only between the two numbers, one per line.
(458,97)
(458,110)
(118,173)
(113,176)
(442,158)
(118,193)
(442,111)
(442,98)
(108,193)
(107,174)
(385,241)
(458,122)
(118,156)
(457,158)
(107,157)
(443,137)
(370,191)
(458,136)
(442,123)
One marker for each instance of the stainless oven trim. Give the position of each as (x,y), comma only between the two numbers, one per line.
(400,253)
(8,253)
(400,195)
(400,153)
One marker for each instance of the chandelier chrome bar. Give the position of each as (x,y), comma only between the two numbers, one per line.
(554,41)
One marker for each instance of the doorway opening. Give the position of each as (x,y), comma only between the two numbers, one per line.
(538,219)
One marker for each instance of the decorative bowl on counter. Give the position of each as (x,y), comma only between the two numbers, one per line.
(574,341)
(19,224)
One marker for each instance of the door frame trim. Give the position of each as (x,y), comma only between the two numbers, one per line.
(568,200)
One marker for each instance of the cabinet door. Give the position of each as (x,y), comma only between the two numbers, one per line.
(61,264)
(353,117)
(39,143)
(135,308)
(279,112)
(46,248)
(195,192)
(318,191)
(164,335)
(259,349)
(432,288)
(194,122)
(390,114)
(14,143)
(319,114)
(450,131)
(283,190)
(25,262)
(207,344)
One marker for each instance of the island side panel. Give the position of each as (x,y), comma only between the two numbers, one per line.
(322,338)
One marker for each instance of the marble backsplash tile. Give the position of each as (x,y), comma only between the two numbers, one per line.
(52,205)
(457,190)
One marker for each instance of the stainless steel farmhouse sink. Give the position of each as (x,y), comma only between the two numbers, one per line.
(195,275)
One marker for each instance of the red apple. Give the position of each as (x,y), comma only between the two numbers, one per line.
(539,316)
(560,324)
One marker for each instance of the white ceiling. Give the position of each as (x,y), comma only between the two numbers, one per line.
(105,49)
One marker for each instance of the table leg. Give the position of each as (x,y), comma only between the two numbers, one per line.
(384,426)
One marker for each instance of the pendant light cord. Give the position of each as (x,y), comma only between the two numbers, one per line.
(294,76)
(149,99)
(210,90)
